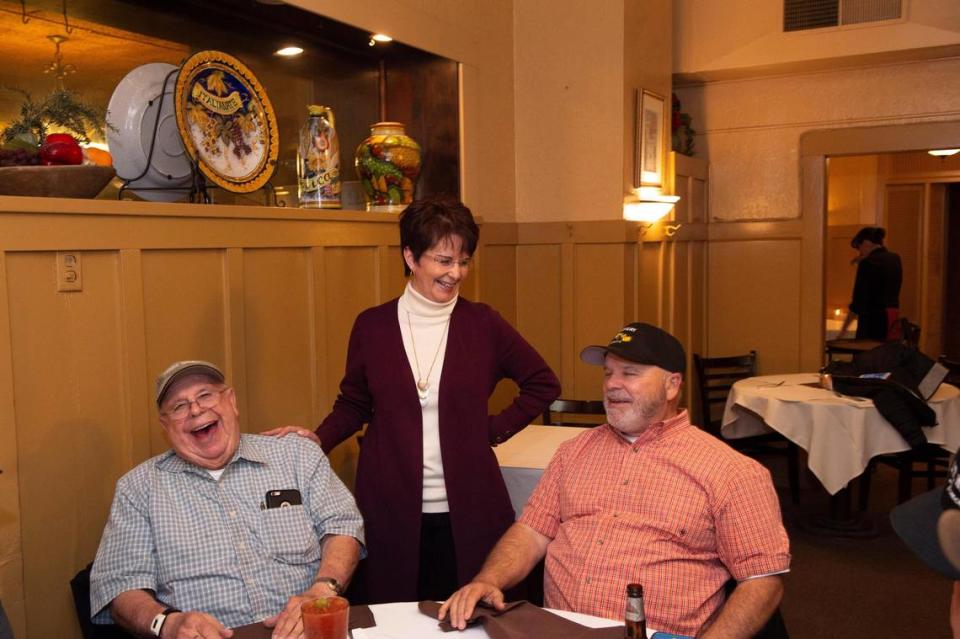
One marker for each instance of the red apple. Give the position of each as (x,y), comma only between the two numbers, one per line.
(61,153)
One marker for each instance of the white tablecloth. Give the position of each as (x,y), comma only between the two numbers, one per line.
(524,456)
(840,434)
(405,621)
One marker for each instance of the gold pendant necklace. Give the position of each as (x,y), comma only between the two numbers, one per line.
(423,384)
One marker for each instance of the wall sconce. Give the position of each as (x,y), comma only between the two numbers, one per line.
(648,205)
(942,153)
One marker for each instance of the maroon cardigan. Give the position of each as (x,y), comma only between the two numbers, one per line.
(378,388)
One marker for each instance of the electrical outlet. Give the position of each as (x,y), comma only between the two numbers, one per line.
(69,272)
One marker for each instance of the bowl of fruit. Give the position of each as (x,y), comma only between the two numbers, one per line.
(60,167)
(35,163)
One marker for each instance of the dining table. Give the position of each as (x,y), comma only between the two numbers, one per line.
(524,457)
(839,433)
(404,620)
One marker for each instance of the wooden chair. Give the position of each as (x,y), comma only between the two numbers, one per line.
(935,460)
(715,377)
(953,377)
(572,412)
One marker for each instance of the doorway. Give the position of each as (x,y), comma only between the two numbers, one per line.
(909,194)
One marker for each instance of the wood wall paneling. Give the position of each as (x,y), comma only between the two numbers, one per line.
(71,445)
(598,307)
(497,282)
(754,301)
(540,308)
(11,552)
(350,287)
(184,313)
(277,317)
(904,221)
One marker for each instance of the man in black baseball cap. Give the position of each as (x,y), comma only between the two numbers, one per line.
(643,344)
(646,498)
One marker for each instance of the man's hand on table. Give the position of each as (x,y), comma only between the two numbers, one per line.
(288,623)
(191,625)
(460,605)
(282,431)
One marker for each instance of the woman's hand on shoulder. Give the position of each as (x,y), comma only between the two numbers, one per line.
(282,431)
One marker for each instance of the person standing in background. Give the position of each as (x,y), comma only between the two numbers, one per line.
(5,631)
(876,291)
(420,371)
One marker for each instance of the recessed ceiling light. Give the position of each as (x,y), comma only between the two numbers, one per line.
(289,52)
(943,152)
(379,37)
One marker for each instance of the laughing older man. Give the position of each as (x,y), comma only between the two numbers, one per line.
(224,529)
(646,498)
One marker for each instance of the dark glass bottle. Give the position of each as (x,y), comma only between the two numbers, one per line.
(634,618)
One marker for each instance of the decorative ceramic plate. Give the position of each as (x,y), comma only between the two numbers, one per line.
(131,117)
(226,121)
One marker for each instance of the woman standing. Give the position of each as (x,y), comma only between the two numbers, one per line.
(876,291)
(419,371)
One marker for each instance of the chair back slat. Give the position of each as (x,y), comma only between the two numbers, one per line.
(574,412)
(715,377)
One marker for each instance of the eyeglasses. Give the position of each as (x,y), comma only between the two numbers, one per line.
(447,262)
(205,399)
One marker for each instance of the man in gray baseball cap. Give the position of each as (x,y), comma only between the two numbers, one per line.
(645,498)
(224,529)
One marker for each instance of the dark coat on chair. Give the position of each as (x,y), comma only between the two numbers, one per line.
(378,388)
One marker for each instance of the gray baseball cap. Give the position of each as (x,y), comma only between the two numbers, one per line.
(187,367)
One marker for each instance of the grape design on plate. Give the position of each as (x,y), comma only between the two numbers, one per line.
(226,121)
(232,142)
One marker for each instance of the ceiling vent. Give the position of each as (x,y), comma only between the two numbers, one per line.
(800,15)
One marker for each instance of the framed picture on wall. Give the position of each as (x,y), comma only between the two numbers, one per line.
(648,161)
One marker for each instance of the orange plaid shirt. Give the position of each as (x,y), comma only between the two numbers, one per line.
(677,511)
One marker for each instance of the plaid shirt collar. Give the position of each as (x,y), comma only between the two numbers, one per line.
(653,432)
(248,450)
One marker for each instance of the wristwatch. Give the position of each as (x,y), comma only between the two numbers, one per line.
(157,624)
(331,583)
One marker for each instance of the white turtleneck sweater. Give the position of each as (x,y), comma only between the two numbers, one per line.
(429,321)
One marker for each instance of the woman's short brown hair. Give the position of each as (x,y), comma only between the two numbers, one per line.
(425,222)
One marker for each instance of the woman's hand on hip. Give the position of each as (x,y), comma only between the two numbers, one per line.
(282,431)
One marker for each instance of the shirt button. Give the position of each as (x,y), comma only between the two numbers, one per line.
(232,514)
(599,542)
(616,514)
(250,582)
(588,580)
(242,546)
(636,450)
(626,481)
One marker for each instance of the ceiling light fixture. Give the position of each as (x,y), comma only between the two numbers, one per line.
(289,52)
(942,153)
(382,38)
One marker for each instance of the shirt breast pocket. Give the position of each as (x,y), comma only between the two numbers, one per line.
(288,536)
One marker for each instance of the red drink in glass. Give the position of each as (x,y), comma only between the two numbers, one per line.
(325,618)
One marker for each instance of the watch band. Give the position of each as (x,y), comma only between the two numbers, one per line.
(331,583)
(156,626)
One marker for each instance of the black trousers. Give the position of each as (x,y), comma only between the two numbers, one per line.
(437,578)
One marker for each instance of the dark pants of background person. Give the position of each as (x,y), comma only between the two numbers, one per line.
(5,631)
(438,558)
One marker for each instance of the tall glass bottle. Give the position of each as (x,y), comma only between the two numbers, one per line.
(318,161)
(635,620)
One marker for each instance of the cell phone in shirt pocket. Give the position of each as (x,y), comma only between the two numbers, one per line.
(283,498)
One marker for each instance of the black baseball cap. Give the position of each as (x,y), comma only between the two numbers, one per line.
(930,525)
(643,344)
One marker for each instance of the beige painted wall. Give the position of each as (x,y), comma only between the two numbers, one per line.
(750,130)
(712,38)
